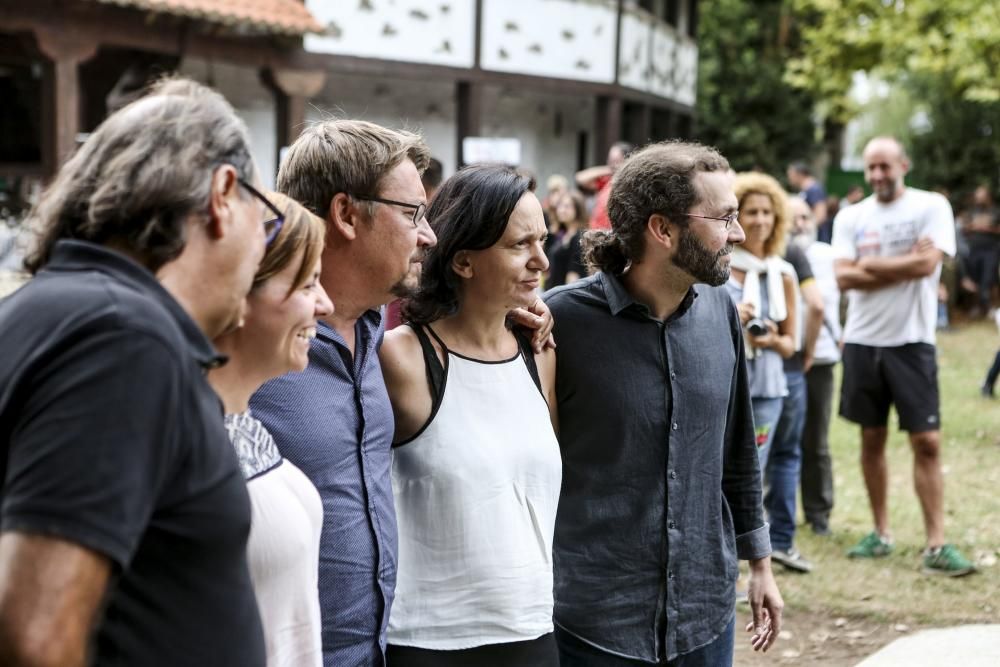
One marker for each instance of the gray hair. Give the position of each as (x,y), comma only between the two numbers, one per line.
(656,179)
(345,156)
(143,173)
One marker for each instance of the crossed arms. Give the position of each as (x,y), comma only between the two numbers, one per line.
(872,273)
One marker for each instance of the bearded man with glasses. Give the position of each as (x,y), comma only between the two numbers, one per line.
(661,490)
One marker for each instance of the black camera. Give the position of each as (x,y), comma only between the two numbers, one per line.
(756,327)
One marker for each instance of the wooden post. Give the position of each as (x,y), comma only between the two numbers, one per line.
(468,115)
(608,126)
(645,133)
(66,50)
(292,90)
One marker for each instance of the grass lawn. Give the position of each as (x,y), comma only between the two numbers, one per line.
(893,589)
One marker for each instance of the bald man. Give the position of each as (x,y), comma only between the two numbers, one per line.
(888,250)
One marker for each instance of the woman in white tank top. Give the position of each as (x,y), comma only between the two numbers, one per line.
(476,467)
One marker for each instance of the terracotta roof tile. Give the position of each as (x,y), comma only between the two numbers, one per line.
(288,17)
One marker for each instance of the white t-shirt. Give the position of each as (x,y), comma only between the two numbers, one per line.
(904,312)
(820,256)
(283,548)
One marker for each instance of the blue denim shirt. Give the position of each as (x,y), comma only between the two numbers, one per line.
(334,421)
(661,488)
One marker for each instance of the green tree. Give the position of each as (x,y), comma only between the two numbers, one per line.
(961,149)
(745,107)
(955,42)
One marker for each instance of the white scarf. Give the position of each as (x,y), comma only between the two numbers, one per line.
(774,267)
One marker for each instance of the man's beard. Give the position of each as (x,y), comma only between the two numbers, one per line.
(407,286)
(404,289)
(887,192)
(701,263)
(804,239)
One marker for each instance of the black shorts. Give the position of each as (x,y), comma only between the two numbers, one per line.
(904,376)
(539,652)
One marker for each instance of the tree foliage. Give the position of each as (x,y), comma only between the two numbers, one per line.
(956,143)
(955,42)
(745,107)
(961,150)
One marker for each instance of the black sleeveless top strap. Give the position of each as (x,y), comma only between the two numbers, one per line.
(528,354)
(437,374)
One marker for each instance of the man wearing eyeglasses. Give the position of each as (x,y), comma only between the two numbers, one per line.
(334,420)
(124,517)
(661,488)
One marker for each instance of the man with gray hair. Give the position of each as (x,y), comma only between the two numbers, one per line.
(334,420)
(124,515)
(661,486)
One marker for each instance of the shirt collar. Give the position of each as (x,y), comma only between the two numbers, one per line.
(619,298)
(75,255)
(370,319)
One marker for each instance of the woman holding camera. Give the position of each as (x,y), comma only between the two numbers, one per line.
(764,288)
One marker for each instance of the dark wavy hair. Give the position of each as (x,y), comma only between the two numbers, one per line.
(469,212)
(656,179)
(140,176)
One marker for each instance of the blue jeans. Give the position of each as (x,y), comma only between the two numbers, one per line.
(766,412)
(785,462)
(574,652)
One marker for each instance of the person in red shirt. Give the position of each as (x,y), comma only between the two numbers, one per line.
(598,179)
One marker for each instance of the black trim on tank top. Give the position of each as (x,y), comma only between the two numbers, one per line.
(437,375)
(448,350)
(523,350)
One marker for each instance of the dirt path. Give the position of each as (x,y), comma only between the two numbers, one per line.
(817,639)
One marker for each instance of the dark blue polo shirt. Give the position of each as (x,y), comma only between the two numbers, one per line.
(661,487)
(112,439)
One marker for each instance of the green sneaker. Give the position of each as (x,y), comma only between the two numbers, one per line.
(872,546)
(948,561)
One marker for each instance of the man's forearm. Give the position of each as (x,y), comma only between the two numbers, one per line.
(904,267)
(813,299)
(852,276)
(50,592)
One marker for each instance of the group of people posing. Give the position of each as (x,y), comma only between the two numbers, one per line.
(214,453)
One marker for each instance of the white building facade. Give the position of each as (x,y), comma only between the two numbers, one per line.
(564,78)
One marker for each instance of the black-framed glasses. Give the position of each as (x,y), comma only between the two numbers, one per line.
(272,225)
(418,209)
(729,219)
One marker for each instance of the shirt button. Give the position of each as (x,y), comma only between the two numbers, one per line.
(671,525)
(674,426)
(670,575)
(673,474)
(673,375)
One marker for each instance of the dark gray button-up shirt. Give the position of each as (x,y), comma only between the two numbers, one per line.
(661,488)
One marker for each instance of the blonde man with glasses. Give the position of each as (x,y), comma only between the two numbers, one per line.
(334,420)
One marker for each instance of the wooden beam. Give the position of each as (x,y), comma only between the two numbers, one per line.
(608,126)
(300,83)
(645,130)
(292,90)
(66,49)
(618,37)
(468,115)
